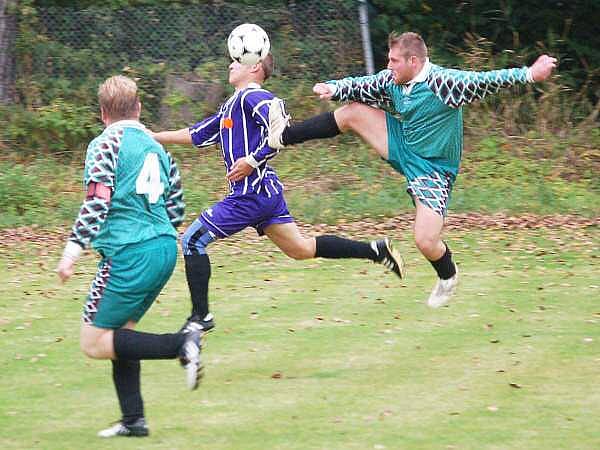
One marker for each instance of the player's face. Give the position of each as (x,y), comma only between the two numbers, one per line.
(403,68)
(238,73)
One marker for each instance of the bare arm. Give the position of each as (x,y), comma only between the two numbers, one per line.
(174,137)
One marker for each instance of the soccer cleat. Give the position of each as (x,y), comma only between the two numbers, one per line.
(189,357)
(279,120)
(388,256)
(443,291)
(196,323)
(136,429)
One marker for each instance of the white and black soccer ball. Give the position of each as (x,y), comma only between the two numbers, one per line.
(248,44)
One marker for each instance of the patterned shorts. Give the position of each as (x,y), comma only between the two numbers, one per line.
(432,191)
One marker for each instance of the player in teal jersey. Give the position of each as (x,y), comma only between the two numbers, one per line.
(134,202)
(423,140)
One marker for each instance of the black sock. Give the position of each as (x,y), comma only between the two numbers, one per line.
(197,272)
(131,344)
(329,246)
(317,127)
(444,266)
(126,376)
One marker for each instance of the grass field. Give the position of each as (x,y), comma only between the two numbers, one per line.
(328,355)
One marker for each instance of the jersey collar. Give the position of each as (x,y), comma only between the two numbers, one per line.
(419,78)
(127,123)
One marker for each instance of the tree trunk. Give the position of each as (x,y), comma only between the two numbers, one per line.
(8,28)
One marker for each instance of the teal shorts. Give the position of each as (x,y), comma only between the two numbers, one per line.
(126,284)
(428,182)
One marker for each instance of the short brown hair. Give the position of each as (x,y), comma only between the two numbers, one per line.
(118,97)
(412,44)
(267,65)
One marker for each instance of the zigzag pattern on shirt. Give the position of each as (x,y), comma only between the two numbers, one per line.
(431,190)
(90,308)
(175,204)
(371,89)
(101,162)
(457,87)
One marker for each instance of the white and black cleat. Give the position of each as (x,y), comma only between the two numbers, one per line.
(190,358)
(388,256)
(139,428)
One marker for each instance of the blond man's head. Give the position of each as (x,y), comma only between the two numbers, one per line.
(409,44)
(119,99)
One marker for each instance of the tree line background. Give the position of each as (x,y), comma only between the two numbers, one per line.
(51,107)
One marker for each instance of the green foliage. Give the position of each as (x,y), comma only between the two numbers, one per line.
(60,127)
(20,194)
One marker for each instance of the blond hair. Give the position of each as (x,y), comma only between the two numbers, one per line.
(118,97)
(411,44)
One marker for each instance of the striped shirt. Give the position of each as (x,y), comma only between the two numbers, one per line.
(240,127)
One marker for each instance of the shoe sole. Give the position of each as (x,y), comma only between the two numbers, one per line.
(397,257)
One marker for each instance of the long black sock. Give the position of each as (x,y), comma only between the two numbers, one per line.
(197,272)
(329,246)
(444,266)
(131,344)
(126,376)
(317,127)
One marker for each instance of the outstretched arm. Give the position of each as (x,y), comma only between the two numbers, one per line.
(460,87)
(182,137)
(370,89)
(201,134)
(542,67)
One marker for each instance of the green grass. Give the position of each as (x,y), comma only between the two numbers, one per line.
(341,179)
(328,354)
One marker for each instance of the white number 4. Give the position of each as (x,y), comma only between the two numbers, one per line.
(148,181)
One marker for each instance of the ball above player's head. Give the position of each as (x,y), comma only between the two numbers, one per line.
(248,44)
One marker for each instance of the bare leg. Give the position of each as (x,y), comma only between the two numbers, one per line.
(287,237)
(367,122)
(427,229)
(97,342)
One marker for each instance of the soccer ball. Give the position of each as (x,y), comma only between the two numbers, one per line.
(248,44)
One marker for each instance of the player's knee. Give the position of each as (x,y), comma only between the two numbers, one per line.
(195,239)
(426,243)
(302,250)
(346,115)
(90,348)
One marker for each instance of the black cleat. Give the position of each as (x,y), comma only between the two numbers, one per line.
(388,256)
(136,429)
(196,323)
(189,357)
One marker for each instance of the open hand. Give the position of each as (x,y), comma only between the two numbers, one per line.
(542,67)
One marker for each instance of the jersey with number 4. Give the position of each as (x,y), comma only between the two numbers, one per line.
(146,195)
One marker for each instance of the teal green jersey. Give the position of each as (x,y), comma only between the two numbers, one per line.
(429,109)
(146,196)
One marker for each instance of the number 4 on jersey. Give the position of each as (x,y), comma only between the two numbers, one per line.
(148,181)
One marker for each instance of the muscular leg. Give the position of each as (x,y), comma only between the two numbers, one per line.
(289,239)
(427,229)
(367,122)
(428,238)
(125,343)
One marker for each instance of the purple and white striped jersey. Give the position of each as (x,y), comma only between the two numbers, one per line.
(241,128)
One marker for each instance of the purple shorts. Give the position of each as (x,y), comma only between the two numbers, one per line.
(235,213)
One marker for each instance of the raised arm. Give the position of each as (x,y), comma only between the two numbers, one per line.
(370,89)
(459,87)
(201,134)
